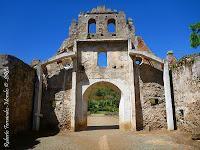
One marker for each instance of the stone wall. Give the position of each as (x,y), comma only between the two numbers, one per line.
(102,17)
(186,84)
(117,60)
(56,100)
(21,90)
(150,100)
(116,72)
(119,70)
(102,20)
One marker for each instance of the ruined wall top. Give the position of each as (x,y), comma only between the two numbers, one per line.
(107,24)
(101,10)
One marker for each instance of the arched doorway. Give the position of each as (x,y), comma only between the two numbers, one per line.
(80,103)
(102,100)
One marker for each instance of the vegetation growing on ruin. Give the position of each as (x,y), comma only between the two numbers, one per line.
(104,100)
(186,60)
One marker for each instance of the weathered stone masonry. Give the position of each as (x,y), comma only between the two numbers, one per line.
(186,84)
(132,69)
(122,48)
(56,97)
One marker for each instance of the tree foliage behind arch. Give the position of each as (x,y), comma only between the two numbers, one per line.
(104,99)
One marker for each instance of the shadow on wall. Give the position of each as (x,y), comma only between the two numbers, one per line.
(20,96)
(138,104)
(82,79)
(173,102)
(150,74)
(54,101)
(2,115)
(49,123)
(149,93)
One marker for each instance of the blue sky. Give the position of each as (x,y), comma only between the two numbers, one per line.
(34,29)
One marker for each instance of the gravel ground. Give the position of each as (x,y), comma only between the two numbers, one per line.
(109,139)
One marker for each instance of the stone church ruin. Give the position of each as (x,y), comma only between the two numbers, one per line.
(54,93)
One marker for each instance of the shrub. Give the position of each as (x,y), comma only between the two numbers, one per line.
(104,99)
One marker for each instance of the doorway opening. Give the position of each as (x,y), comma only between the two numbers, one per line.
(103,100)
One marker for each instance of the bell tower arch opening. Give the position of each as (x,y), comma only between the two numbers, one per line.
(111,26)
(92,26)
(102,100)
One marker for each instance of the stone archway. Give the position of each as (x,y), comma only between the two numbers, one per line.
(125,107)
(103,122)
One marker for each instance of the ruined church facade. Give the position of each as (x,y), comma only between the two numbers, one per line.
(132,69)
(54,94)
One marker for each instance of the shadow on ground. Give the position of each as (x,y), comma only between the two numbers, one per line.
(89,128)
(29,140)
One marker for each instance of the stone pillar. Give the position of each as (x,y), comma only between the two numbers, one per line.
(132,87)
(168,98)
(37,98)
(73,102)
(133,97)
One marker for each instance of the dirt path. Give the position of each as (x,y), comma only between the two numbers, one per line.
(102,120)
(114,139)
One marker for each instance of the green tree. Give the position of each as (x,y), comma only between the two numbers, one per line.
(104,99)
(195,35)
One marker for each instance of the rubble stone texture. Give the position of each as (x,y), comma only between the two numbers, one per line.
(67,82)
(186,84)
(56,97)
(57,92)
